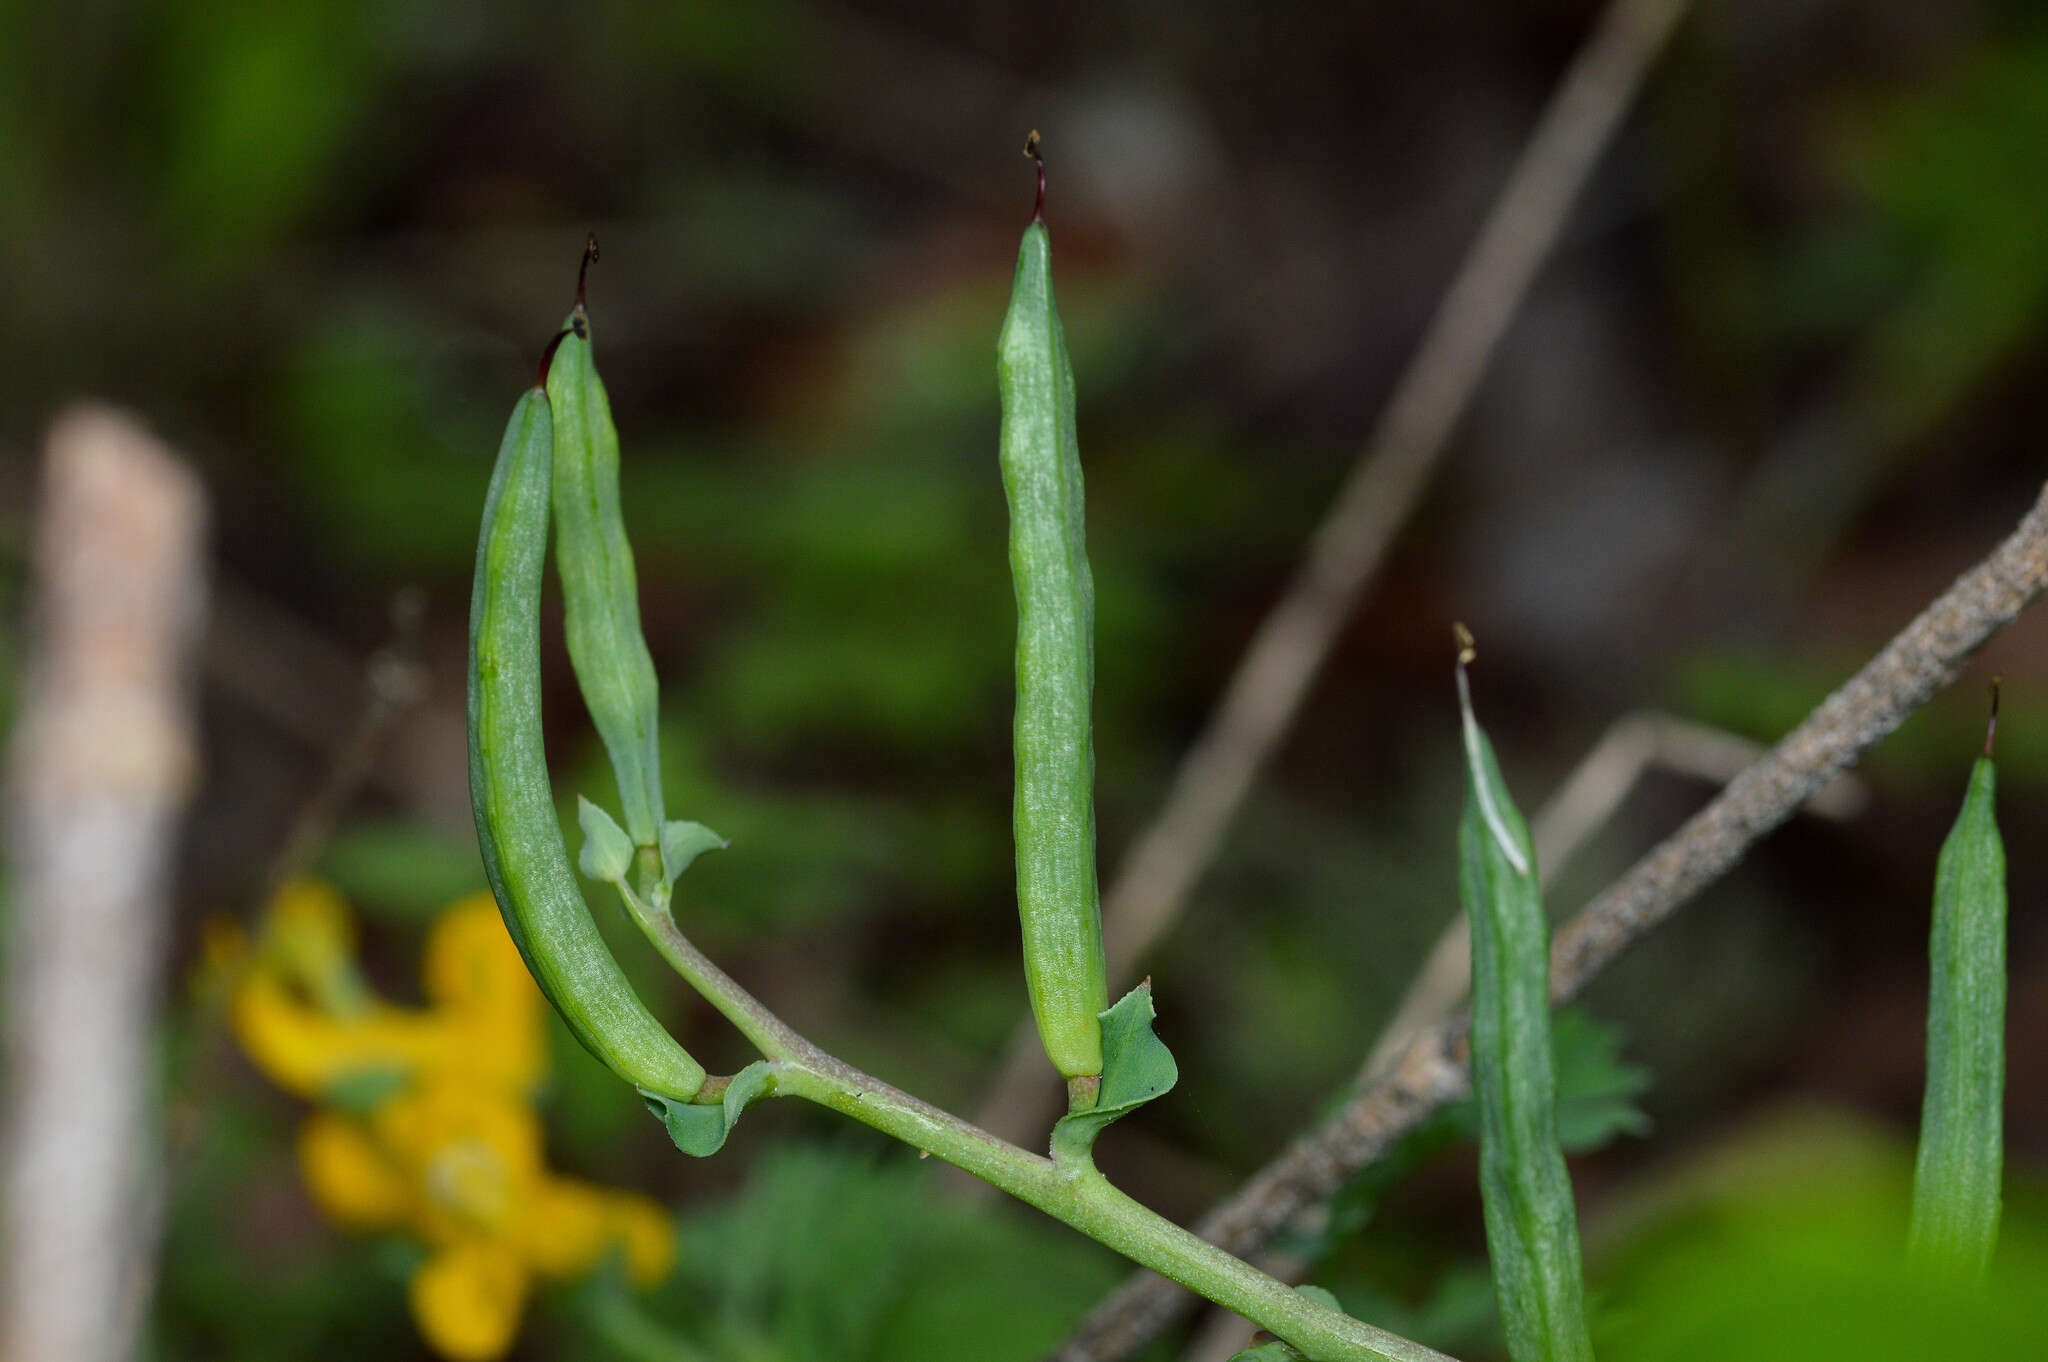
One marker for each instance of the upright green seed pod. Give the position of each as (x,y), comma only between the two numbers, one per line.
(1956,1179)
(600,594)
(1055,792)
(524,856)
(1532,1229)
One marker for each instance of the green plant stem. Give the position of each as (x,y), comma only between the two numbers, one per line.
(1076,1194)
(1072,1192)
(768,1033)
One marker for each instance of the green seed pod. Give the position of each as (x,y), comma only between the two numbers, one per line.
(1054,803)
(523,852)
(600,594)
(1956,1179)
(1532,1231)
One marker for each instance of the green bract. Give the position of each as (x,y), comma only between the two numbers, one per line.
(523,852)
(1054,803)
(607,851)
(699,1129)
(1956,1181)
(600,597)
(1136,1067)
(1532,1231)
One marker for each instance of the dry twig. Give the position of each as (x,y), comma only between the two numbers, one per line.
(1160,870)
(1431,1070)
(395,680)
(102,766)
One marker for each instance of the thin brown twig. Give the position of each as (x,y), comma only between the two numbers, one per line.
(1161,868)
(1431,1071)
(396,680)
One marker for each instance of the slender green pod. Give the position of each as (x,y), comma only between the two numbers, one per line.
(1956,1178)
(600,593)
(523,852)
(1532,1230)
(1055,792)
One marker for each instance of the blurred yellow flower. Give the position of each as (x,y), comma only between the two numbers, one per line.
(459,1167)
(305,1018)
(430,1128)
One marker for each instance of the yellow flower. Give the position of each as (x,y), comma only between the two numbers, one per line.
(304,1018)
(459,1167)
(468,1301)
(440,1140)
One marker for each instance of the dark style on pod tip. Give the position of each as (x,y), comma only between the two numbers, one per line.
(580,325)
(1031,144)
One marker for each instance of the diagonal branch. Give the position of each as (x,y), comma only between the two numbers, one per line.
(1393,470)
(1431,1071)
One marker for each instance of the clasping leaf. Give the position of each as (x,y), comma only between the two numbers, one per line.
(699,1129)
(1136,1067)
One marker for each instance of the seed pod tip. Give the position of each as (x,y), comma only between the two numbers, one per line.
(583,270)
(1031,149)
(1991,728)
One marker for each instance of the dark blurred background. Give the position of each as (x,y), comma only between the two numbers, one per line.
(1779,384)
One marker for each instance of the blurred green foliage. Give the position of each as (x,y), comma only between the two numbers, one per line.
(1786,1244)
(831,1253)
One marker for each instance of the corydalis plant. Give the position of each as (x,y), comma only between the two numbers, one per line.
(560,455)
(562,448)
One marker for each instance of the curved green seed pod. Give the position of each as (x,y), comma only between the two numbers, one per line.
(1532,1230)
(1054,804)
(1956,1179)
(524,856)
(600,594)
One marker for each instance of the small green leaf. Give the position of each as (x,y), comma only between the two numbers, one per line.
(1596,1088)
(1321,1296)
(682,843)
(699,1130)
(1136,1067)
(1596,1102)
(1277,1351)
(397,1257)
(361,1091)
(607,850)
